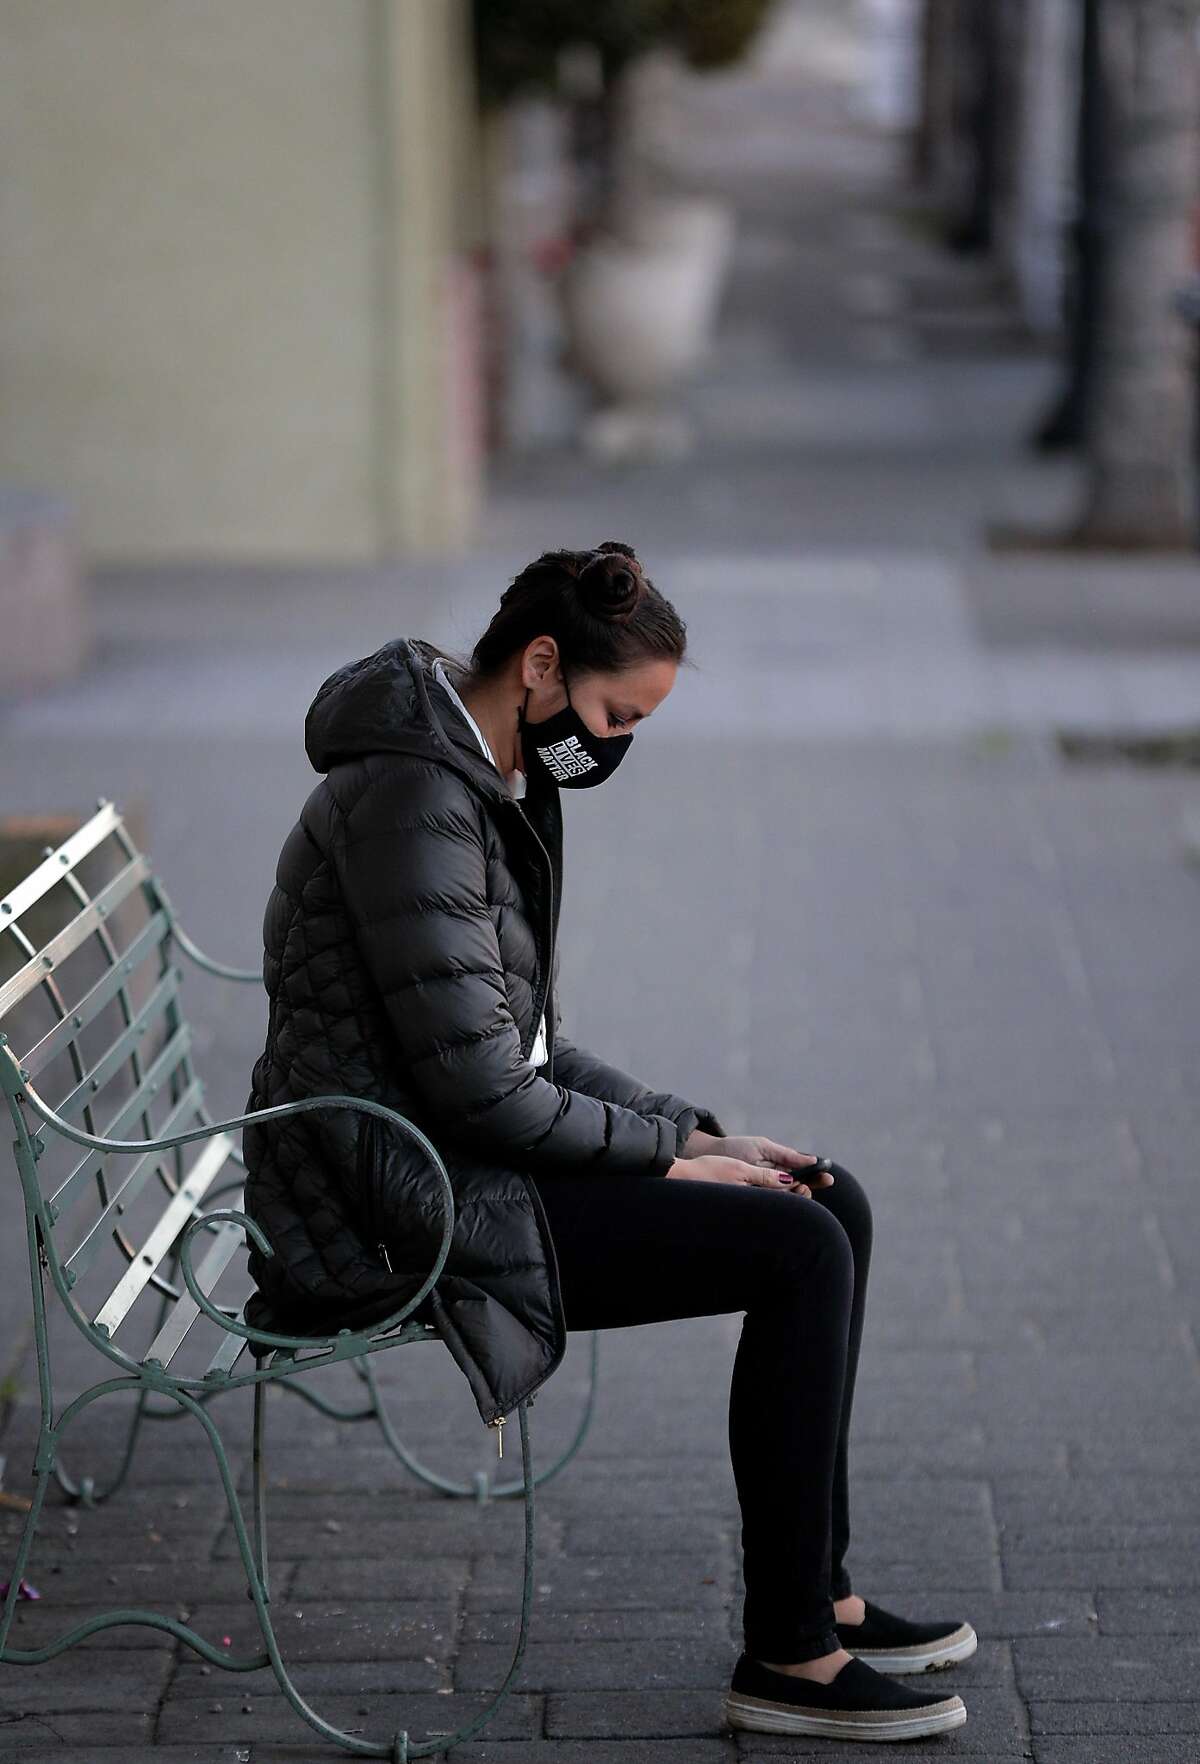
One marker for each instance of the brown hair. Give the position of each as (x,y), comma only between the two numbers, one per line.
(601,609)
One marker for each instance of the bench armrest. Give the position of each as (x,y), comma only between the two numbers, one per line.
(265,1337)
(191,948)
(201,960)
(277,1111)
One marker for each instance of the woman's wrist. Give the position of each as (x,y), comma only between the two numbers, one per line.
(699,1144)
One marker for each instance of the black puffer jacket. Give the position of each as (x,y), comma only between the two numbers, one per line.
(409,952)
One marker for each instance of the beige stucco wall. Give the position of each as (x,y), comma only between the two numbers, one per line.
(215,335)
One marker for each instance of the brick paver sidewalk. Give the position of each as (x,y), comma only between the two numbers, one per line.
(882,918)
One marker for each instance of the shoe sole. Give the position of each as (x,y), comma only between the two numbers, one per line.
(757,1715)
(922,1656)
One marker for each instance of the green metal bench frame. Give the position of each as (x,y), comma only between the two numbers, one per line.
(184,1292)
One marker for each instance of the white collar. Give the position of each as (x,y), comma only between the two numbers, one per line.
(516,779)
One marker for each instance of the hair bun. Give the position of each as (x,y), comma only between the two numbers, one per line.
(610,582)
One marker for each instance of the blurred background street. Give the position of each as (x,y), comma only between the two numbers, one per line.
(906,870)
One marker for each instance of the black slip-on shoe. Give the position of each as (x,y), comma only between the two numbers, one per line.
(895,1644)
(859,1704)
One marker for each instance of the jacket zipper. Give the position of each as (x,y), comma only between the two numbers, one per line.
(370,1174)
(549,926)
(498,1423)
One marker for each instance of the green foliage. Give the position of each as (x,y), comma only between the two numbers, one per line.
(517,42)
(714,33)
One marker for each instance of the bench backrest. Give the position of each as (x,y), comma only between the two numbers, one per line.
(91,1013)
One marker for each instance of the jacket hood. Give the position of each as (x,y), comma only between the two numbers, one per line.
(389,702)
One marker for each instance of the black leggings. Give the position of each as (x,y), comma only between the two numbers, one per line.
(644,1250)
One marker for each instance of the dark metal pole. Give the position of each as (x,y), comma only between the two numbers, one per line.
(1066,423)
(979,42)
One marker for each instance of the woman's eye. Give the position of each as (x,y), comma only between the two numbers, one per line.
(616,722)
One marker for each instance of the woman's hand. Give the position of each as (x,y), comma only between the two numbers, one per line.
(760,1153)
(710,1168)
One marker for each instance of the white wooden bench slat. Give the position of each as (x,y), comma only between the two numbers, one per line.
(30,889)
(129,1042)
(76,932)
(81,1256)
(101,994)
(166,1344)
(179,1209)
(231,1349)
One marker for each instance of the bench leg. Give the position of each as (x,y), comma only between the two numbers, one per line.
(260,1489)
(49,1437)
(44,1462)
(43,1468)
(399,1748)
(85,1491)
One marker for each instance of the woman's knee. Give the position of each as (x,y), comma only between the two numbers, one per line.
(847,1200)
(812,1243)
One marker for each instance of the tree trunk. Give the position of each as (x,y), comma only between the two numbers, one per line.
(1044,185)
(1139,432)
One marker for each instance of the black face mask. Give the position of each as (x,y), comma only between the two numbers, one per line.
(563,748)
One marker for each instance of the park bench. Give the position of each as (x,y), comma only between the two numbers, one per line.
(91,1011)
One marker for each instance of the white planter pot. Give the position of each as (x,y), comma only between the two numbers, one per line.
(640,306)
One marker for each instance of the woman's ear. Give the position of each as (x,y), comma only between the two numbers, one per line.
(539,658)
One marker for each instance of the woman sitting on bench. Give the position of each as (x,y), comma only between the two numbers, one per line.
(410,957)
